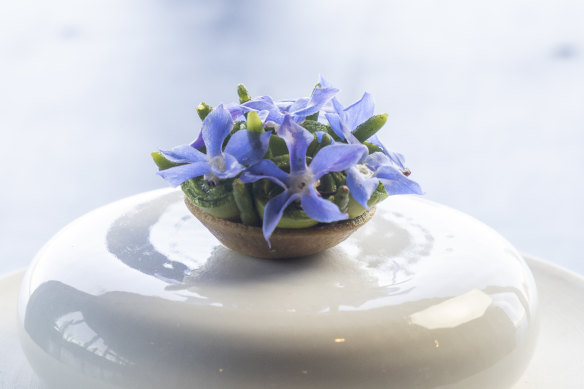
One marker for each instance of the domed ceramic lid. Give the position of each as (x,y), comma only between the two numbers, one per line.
(139,294)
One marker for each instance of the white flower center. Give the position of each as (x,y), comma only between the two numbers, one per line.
(364,170)
(300,183)
(218,162)
(273,125)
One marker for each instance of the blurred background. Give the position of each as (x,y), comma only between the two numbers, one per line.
(485,99)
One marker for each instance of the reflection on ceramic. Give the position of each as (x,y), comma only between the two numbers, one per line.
(139,294)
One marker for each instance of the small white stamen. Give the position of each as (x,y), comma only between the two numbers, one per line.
(364,170)
(300,183)
(218,162)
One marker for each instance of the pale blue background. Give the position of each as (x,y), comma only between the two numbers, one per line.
(486,100)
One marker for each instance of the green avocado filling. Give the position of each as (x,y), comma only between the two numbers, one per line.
(355,209)
(215,200)
(293,217)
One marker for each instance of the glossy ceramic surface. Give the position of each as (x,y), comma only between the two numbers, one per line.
(138,294)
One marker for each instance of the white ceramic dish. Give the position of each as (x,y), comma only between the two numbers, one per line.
(499,304)
(558,362)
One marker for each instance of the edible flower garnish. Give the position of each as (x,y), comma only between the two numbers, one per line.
(302,181)
(217,164)
(298,110)
(287,163)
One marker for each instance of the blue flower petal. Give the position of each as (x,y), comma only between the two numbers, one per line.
(335,158)
(248,147)
(377,159)
(324,83)
(320,209)
(340,110)
(297,139)
(299,109)
(360,111)
(320,96)
(340,128)
(265,103)
(199,142)
(284,105)
(335,122)
(330,105)
(216,126)
(320,134)
(236,111)
(265,169)
(360,186)
(296,105)
(232,168)
(395,182)
(274,210)
(184,153)
(179,174)
(262,103)
(263,115)
(395,157)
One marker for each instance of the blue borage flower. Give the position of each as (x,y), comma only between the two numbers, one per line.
(301,182)
(376,168)
(298,110)
(237,113)
(344,121)
(248,155)
(243,148)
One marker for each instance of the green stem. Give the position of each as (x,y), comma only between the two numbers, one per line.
(327,184)
(277,146)
(254,123)
(161,161)
(243,94)
(244,202)
(203,110)
(342,198)
(373,148)
(340,178)
(368,128)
